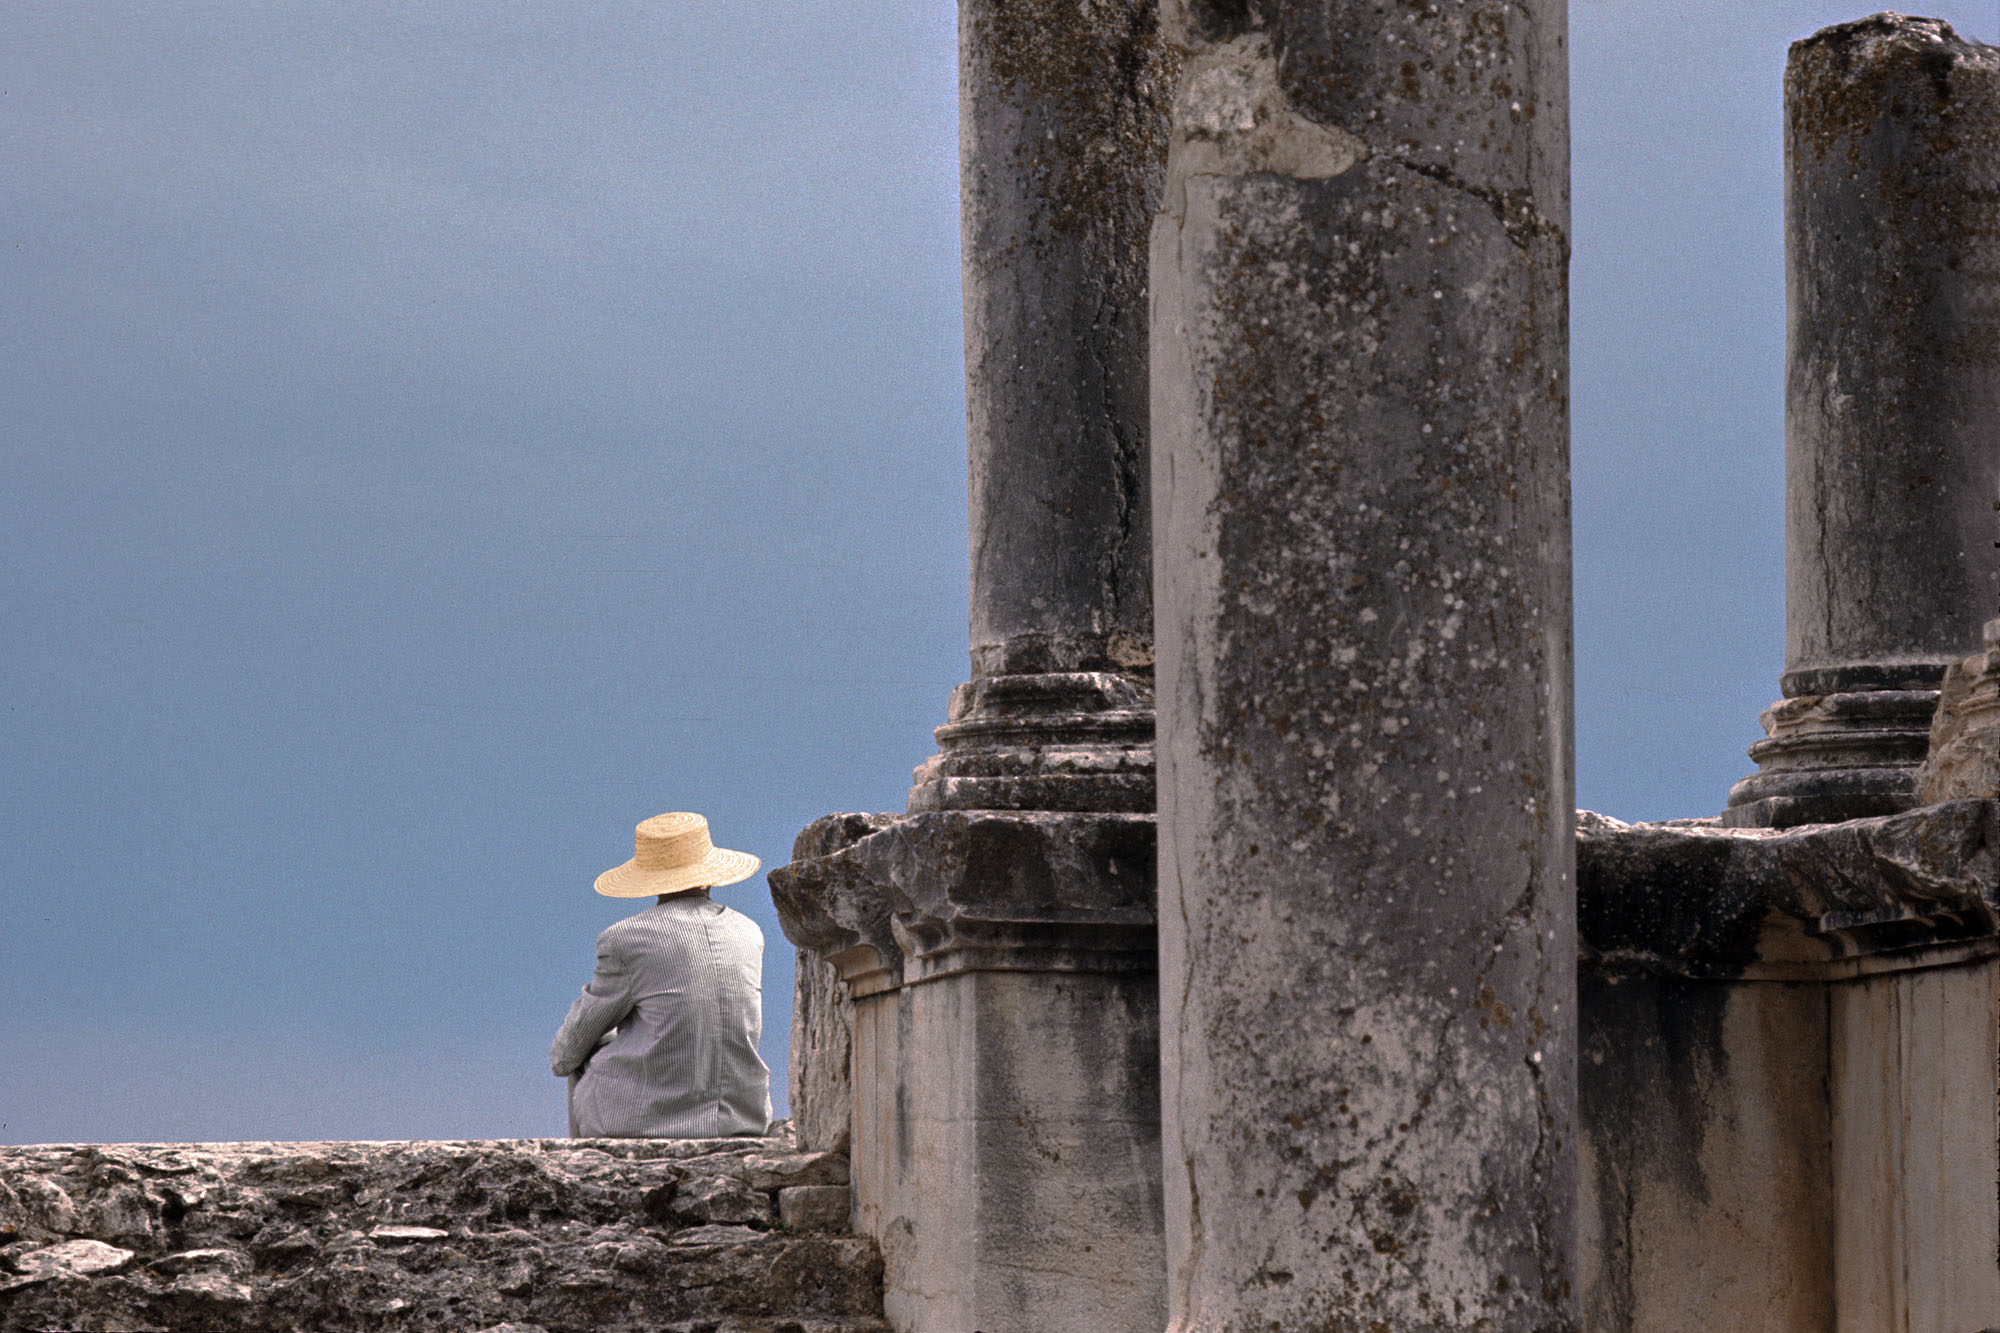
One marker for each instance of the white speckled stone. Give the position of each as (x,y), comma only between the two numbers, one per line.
(1360,454)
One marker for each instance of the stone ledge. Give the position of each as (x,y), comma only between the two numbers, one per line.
(620,1235)
(893,901)
(1692,898)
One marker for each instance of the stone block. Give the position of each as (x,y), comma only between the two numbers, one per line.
(71,1258)
(38,1209)
(714,1235)
(1706,1198)
(1016,1041)
(822,1053)
(209,1288)
(211,1260)
(123,1211)
(815,1207)
(1691,898)
(1789,1102)
(1963,758)
(724,1199)
(405,1235)
(1913,1094)
(813,1168)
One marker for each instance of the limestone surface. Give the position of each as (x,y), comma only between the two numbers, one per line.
(1362,623)
(1963,757)
(1062,119)
(1004,1041)
(555,1235)
(1891,134)
(821,1072)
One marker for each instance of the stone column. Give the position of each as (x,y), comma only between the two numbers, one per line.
(1360,434)
(1892,408)
(997,941)
(1062,140)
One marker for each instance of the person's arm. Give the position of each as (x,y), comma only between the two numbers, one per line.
(604,1002)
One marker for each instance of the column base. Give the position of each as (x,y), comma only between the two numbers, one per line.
(1058,740)
(1838,755)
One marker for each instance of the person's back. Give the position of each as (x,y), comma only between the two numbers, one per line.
(663,1041)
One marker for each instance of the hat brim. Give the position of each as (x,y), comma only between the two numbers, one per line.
(721,866)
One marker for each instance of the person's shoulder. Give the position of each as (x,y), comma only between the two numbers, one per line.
(623,928)
(740,922)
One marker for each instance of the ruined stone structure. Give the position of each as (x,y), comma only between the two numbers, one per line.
(1735,1073)
(995,943)
(510,1236)
(1343,1020)
(1787,1074)
(1963,758)
(1788,1086)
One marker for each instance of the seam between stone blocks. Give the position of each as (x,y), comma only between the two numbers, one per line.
(1519,232)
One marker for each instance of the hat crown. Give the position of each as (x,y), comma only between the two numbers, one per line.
(670,841)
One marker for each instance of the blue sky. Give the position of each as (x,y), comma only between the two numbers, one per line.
(434,438)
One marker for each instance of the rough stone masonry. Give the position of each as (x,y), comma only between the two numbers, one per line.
(510,1236)
(1360,469)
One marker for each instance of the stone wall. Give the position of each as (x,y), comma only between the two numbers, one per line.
(555,1235)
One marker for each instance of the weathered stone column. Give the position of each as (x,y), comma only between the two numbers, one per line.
(997,942)
(1062,141)
(1360,433)
(1892,408)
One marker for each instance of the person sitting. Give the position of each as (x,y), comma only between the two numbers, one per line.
(663,1041)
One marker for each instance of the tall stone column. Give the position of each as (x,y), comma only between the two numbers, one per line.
(1892,408)
(1062,140)
(997,941)
(1360,434)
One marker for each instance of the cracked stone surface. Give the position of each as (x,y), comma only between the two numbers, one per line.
(1063,121)
(1366,911)
(822,1068)
(562,1235)
(1062,142)
(1015,1041)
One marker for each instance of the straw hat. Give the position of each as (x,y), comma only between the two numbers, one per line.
(672,853)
